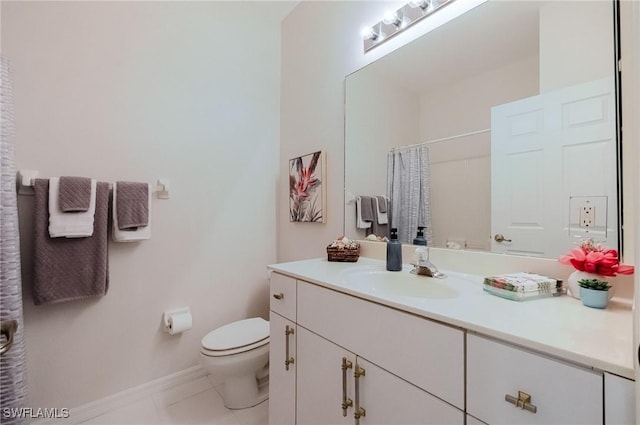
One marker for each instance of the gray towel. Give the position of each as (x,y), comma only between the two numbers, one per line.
(382,201)
(370,214)
(368,209)
(132,205)
(74,194)
(68,269)
(377,228)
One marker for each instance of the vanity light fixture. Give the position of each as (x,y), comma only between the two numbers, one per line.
(395,22)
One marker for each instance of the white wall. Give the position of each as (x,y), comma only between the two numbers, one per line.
(188,91)
(572,44)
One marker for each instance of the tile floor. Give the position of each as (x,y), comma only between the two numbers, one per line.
(195,402)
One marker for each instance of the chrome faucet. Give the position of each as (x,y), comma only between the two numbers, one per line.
(423,266)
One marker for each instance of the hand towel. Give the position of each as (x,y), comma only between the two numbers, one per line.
(377,229)
(132,208)
(70,224)
(68,269)
(74,194)
(381,208)
(130,235)
(363,218)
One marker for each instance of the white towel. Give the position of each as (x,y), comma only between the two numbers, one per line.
(383,218)
(141,233)
(360,223)
(69,224)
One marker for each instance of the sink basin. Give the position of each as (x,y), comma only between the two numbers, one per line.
(378,281)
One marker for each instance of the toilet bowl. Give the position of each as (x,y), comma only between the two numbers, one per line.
(237,354)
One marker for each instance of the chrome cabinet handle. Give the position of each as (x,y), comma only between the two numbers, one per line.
(346,402)
(499,237)
(288,360)
(8,328)
(360,411)
(278,296)
(523,401)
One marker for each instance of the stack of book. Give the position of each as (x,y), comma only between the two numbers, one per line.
(523,286)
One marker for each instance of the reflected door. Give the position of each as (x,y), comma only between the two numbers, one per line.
(553,170)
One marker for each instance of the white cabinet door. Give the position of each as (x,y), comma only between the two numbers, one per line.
(282,380)
(619,400)
(561,393)
(387,399)
(320,381)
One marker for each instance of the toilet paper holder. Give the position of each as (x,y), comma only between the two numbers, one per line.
(169,313)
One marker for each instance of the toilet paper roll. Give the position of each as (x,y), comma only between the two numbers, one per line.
(179,322)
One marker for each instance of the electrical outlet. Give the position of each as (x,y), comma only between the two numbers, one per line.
(587,216)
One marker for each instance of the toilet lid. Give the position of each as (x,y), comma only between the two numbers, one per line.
(237,334)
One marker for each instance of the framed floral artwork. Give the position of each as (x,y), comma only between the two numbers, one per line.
(307,188)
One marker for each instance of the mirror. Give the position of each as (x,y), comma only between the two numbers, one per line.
(516,104)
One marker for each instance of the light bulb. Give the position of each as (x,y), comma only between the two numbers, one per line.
(368,33)
(391,18)
(422,4)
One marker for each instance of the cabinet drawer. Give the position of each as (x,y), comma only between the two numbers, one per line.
(562,393)
(427,354)
(282,295)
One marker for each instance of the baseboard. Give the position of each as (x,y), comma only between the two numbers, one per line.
(101,406)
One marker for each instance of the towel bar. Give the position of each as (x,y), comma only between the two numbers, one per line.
(26,179)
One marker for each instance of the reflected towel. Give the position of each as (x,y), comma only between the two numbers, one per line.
(364,213)
(130,235)
(70,224)
(381,208)
(74,194)
(68,269)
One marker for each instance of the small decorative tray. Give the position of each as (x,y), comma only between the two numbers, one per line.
(343,249)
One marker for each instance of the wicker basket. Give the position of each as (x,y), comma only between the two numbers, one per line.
(343,254)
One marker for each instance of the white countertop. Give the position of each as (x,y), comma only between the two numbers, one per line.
(559,326)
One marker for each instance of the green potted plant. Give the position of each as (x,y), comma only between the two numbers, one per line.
(594,292)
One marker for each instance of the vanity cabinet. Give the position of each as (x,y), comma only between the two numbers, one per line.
(393,365)
(509,385)
(334,354)
(282,350)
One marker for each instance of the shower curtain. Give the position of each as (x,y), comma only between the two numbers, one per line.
(409,192)
(13,379)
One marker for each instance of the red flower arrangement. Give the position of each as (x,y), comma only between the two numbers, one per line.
(592,258)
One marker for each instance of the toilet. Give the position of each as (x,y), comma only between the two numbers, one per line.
(237,354)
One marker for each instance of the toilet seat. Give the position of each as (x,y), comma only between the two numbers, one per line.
(237,337)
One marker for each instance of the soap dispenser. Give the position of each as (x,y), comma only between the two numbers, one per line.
(394,252)
(421,253)
(419,239)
